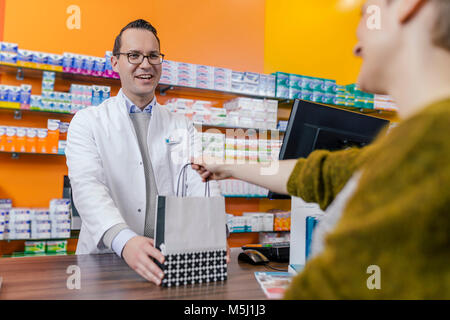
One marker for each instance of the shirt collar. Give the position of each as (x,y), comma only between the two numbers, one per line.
(132,108)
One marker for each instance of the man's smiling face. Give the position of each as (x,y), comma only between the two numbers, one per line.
(139,80)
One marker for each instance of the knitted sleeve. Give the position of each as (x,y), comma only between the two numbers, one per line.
(393,239)
(319,177)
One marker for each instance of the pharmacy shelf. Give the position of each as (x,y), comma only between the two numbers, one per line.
(284,104)
(36,72)
(208,126)
(208,93)
(40,239)
(238,232)
(18,113)
(26,255)
(16,155)
(22,72)
(246,196)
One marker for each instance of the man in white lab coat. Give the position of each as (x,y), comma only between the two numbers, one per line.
(126,151)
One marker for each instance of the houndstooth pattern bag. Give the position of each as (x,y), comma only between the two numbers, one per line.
(190,232)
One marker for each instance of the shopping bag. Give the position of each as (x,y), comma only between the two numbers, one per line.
(190,232)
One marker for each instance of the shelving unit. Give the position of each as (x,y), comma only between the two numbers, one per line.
(235,232)
(284,104)
(16,155)
(10,246)
(22,72)
(246,196)
(19,111)
(234,203)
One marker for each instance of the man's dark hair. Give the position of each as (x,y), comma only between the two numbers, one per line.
(137,24)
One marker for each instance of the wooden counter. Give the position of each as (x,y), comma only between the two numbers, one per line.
(106,276)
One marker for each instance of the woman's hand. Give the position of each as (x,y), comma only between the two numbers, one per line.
(211,171)
(272,175)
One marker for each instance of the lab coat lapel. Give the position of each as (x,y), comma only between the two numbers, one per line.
(124,126)
(159,151)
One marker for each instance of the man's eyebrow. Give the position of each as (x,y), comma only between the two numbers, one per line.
(139,51)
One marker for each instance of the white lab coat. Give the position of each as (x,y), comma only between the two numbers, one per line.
(106,171)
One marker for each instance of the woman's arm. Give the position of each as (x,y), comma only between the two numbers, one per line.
(318,178)
(273,176)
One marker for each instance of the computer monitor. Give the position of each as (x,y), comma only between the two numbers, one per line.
(314,126)
(75,221)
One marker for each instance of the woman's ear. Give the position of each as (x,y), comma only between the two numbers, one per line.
(408,8)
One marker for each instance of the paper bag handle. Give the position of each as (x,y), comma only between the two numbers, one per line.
(184,185)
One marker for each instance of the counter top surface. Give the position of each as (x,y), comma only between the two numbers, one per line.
(106,276)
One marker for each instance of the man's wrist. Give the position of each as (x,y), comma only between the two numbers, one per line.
(121,239)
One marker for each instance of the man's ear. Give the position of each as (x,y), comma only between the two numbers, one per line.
(408,8)
(114,62)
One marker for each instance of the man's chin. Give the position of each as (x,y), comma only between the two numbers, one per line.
(145,90)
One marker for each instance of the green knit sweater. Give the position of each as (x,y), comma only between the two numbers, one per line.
(398,218)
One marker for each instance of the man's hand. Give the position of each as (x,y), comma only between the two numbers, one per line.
(137,254)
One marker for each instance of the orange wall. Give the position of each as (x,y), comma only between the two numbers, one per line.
(221,33)
(213,32)
(314,38)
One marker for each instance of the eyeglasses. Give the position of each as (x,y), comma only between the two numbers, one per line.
(137,58)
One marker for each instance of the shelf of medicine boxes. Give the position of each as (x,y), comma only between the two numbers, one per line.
(17,110)
(269,133)
(13,247)
(35,70)
(250,196)
(285,106)
(273,231)
(73,235)
(29,69)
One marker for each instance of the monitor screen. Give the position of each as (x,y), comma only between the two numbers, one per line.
(314,126)
(67,194)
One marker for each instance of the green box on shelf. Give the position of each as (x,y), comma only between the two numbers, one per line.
(307,95)
(295,81)
(34,247)
(364,100)
(352,88)
(317,96)
(315,84)
(340,101)
(329,86)
(282,87)
(329,98)
(341,90)
(305,82)
(341,94)
(56,246)
(350,101)
(282,78)
(295,93)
